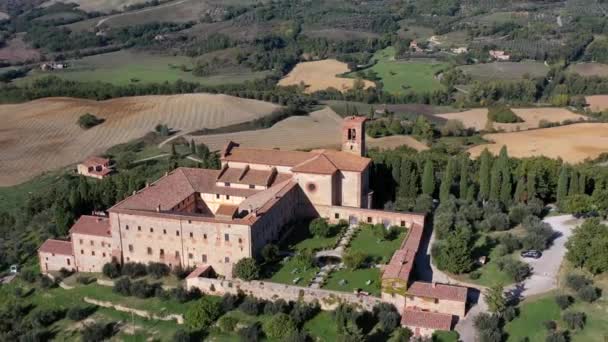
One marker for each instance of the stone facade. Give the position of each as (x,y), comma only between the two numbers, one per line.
(91,252)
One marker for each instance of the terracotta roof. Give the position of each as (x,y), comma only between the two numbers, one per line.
(92,225)
(198,271)
(247,175)
(172,189)
(319,164)
(342,160)
(355,118)
(402,262)
(439,291)
(226,210)
(103,172)
(56,247)
(261,201)
(93,161)
(425,319)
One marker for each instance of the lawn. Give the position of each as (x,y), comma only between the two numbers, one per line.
(530,321)
(399,77)
(505,70)
(299,238)
(382,251)
(126,67)
(355,280)
(445,336)
(322,327)
(285,274)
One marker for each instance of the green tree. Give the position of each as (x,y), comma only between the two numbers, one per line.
(573,188)
(453,254)
(506,188)
(203,313)
(531,185)
(562,185)
(495,298)
(192,147)
(464,177)
(279,327)
(319,227)
(246,269)
(495,183)
(354,259)
(484,174)
(446,181)
(588,246)
(428,178)
(520,190)
(270,253)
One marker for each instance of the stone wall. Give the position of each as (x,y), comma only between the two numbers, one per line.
(328,300)
(141,313)
(390,218)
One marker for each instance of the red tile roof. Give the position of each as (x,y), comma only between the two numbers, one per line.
(198,271)
(355,118)
(439,291)
(248,175)
(56,247)
(402,262)
(425,319)
(226,210)
(92,225)
(319,164)
(94,161)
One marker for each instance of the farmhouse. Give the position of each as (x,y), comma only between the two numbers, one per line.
(211,219)
(95,167)
(499,55)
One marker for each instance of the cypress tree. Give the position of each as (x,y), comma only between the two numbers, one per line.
(562,185)
(582,183)
(506,189)
(573,189)
(428,178)
(464,177)
(484,174)
(531,185)
(192,146)
(446,181)
(495,183)
(83,188)
(520,190)
(173,151)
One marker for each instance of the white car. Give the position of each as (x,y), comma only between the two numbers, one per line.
(14,269)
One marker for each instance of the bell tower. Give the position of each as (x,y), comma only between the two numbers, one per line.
(353,135)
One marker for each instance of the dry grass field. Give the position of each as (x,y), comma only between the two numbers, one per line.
(321,75)
(477,118)
(320,129)
(597,103)
(572,143)
(43,135)
(590,69)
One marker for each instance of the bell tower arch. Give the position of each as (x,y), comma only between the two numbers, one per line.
(353,135)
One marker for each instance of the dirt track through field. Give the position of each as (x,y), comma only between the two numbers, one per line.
(321,75)
(43,135)
(572,143)
(320,129)
(477,118)
(597,103)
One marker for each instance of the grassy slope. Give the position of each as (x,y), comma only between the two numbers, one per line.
(123,67)
(365,242)
(403,76)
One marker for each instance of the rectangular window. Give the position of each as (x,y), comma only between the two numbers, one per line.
(240,240)
(205,236)
(177,233)
(127,227)
(226,184)
(226,259)
(369,219)
(82,251)
(251,186)
(227,197)
(226,237)
(81,242)
(190,256)
(151,230)
(402,223)
(176,254)
(204,257)
(191,234)
(162,252)
(217,196)
(103,244)
(92,243)
(93,253)
(165,231)
(149,251)
(68,261)
(139,228)
(104,254)
(336,215)
(131,248)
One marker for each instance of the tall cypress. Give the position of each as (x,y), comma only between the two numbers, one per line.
(582,183)
(446,181)
(520,190)
(531,184)
(495,183)
(506,188)
(573,189)
(428,178)
(484,174)
(464,177)
(562,184)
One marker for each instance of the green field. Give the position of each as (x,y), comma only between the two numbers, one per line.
(379,250)
(126,67)
(398,77)
(354,280)
(505,70)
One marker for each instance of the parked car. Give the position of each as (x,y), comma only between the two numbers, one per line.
(14,269)
(531,254)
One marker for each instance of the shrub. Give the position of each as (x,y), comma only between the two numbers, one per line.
(44,318)
(250,306)
(142,289)
(230,302)
(227,323)
(251,333)
(134,269)
(97,332)
(517,213)
(510,241)
(502,114)
(182,336)
(588,293)
(557,336)
(77,313)
(576,281)
(88,120)
(29,276)
(485,321)
(46,282)
(550,325)
(158,269)
(182,272)
(279,326)
(122,286)
(182,295)
(387,317)
(354,259)
(270,253)
(574,320)
(85,280)
(563,301)
(510,313)
(202,314)
(111,270)
(65,272)
(246,269)
(302,312)
(517,270)
(278,306)
(475,275)
(319,227)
